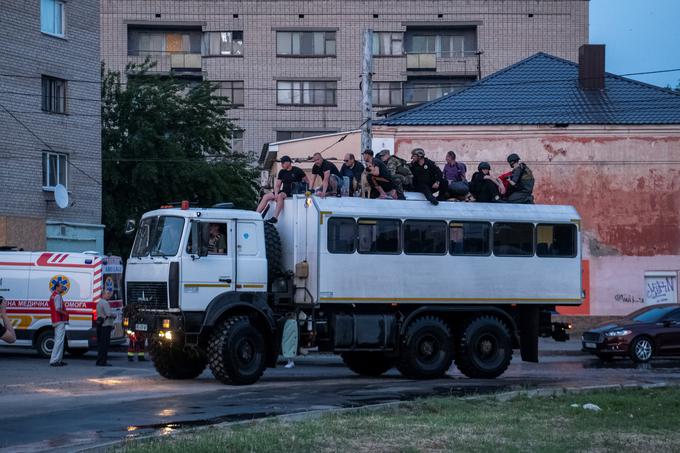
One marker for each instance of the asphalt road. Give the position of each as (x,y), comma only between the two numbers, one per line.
(43,408)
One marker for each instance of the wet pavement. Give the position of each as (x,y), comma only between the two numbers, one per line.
(44,408)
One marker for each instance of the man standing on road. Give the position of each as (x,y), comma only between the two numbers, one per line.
(59,320)
(6,329)
(105,318)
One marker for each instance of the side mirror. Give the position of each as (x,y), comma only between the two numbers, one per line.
(130,226)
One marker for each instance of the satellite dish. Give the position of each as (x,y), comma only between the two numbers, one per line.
(61,196)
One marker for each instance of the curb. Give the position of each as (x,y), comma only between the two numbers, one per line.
(316,414)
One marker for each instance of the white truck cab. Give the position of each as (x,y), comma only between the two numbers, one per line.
(382,282)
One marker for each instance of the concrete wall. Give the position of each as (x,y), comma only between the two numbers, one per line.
(624,181)
(508,31)
(27,54)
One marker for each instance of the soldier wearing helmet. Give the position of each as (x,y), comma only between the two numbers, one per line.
(521,182)
(485,187)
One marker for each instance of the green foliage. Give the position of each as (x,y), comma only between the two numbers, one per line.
(165,140)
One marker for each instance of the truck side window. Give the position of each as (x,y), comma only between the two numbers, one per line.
(513,239)
(341,235)
(379,236)
(469,238)
(424,237)
(217,240)
(557,240)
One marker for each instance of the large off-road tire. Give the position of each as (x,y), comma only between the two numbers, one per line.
(368,363)
(177,362)
(641,350)
(44,343)
(485,348)
(236,352)
(426,349)
(272,242)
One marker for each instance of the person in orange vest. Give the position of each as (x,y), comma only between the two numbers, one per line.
(136,346)
(59,320)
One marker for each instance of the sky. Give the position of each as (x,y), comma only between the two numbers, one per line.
(640,35)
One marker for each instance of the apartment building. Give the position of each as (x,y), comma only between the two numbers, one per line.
(50,124)
(292,68)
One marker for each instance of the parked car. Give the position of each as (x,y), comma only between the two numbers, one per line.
(649,332)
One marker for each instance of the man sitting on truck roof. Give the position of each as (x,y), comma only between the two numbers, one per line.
(378,177)
(521,182)
(288,181)
(427,177)
(331,182)
(399,172)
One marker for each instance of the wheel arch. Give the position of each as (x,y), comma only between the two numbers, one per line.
(252,305)
(38,332)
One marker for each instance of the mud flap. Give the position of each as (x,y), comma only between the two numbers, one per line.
(528,332)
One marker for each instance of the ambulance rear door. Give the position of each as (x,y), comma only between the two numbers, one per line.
(14,273)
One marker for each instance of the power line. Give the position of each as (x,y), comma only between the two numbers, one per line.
(30,131)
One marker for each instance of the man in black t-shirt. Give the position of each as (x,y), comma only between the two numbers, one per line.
(287,183)
(331,182)
(353,169)
(379,177)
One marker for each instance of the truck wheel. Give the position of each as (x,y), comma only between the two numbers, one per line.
(177,362)
(427,349)
(367,363)
(272,242)
(44,343)
(236,352)
(485,349)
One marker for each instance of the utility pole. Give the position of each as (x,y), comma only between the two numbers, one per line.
(367,91)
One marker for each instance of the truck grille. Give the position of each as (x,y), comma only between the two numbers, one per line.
(592,336)
(148,295)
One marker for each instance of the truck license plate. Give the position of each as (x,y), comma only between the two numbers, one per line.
(141,327)
(591,345)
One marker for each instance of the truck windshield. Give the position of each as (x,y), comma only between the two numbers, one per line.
(158,236)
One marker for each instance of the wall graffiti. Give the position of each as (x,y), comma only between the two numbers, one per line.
(661,289)
(629,299)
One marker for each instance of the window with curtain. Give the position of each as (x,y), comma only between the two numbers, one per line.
(223,43)
(306,92)
(52,17)
(305,43)
(53,95)
(387,43)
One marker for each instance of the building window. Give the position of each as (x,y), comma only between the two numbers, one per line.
(513,239)
(379,236)
(294,135)
(305,43)
(556,240)
(417,91)
(223,43)
(233,90)
(55,170)
(341,235)
(52,19)
(236,141)
(305,93)
(158,42)
(387,43)
(53,95)
(446,46)
(387,94)
(469,238)
(424,237)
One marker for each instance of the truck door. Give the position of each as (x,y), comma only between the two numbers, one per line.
(205,277)
(251,266)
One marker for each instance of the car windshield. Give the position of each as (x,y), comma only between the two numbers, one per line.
(158,236)
(653,314)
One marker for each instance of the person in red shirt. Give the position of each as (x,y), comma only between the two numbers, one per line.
(59,321)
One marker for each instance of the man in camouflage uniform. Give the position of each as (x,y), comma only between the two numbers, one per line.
(521,181)
(402,178)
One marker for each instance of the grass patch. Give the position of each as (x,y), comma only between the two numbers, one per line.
(630,420)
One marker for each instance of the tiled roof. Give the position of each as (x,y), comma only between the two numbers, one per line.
(544,89)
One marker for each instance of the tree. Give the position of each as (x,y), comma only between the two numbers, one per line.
(165,140)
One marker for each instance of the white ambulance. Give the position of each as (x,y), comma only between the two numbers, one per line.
(26,283)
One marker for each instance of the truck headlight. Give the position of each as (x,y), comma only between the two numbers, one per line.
(166,323)
(618,333)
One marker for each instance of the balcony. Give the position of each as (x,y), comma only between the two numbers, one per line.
(170,61)
(454,63)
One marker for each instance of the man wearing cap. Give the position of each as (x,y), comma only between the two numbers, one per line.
(287,182)
(427,177)
(378,177)
(521,181)
(399,171)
